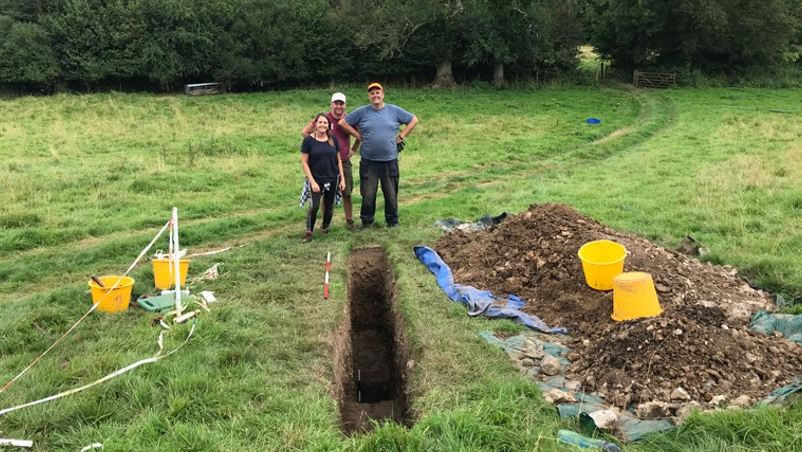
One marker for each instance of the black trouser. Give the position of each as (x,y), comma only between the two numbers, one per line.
(328,207)
(371,173)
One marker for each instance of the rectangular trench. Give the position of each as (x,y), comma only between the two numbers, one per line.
(371,352)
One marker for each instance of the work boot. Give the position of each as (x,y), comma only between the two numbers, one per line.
(307,237)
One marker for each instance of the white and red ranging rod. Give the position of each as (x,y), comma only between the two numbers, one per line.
(326,281)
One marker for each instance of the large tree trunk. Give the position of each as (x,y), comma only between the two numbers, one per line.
(444,77)
(498,74)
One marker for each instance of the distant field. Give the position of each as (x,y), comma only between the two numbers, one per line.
(719,164)
(88,180)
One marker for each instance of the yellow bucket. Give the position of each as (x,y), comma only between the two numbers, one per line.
(634,297)
(164,272)
(115,300)
(601,261)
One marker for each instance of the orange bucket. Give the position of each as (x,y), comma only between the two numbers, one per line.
(116,299)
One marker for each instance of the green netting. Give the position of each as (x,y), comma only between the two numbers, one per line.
(790,326)
(628,427)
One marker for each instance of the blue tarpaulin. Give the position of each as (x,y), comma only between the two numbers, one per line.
(479,302)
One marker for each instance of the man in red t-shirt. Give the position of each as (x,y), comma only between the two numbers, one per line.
(346,150)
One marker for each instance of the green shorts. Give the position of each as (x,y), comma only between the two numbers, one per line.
(348,172)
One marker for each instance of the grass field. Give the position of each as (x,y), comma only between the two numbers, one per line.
(88,181)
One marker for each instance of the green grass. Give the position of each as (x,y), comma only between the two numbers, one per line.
(88,180)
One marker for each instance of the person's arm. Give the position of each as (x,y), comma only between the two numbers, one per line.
(350,129)
(307,170)
(342,173)
(308,129)
(407,130)
(354,147)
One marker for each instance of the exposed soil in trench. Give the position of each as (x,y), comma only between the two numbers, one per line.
(370,347)
(700,344)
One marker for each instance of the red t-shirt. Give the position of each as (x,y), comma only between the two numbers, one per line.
(343,137)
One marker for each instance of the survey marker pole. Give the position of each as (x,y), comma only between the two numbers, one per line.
(176,263)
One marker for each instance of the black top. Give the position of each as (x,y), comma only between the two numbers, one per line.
(322,159)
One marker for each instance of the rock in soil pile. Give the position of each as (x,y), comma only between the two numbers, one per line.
(700,350)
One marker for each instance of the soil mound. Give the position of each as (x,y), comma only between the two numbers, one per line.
(700,349)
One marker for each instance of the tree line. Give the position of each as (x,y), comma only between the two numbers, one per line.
(258,44)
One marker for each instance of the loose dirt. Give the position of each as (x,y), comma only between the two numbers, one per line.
(700,350)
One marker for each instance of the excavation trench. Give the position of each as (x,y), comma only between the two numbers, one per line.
(371,351)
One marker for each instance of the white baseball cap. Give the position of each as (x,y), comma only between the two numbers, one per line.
(338,97)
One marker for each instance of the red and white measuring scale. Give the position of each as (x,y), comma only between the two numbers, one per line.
(326,281)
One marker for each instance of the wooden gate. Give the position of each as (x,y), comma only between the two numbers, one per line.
(654,79)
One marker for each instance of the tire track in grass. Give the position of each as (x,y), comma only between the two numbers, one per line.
(92,241)
(655,115)
(645,117)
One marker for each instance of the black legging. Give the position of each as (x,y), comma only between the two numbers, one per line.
(328,207)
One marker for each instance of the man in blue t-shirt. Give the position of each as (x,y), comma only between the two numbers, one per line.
(378,125)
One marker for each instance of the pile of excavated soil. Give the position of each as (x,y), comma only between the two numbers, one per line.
(699,350)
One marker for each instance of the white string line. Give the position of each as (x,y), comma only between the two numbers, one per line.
(148,247)
(208,253)
(107,377)
(16,442)
(94,306)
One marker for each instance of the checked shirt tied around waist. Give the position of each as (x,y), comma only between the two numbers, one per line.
(306,191)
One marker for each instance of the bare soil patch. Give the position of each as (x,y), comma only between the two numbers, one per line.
(700,344)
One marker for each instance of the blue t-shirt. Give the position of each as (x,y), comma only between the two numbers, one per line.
(378,129)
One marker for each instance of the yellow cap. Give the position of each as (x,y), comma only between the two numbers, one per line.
(375,85)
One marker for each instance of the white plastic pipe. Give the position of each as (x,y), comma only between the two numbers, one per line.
(177,263)
(16,442)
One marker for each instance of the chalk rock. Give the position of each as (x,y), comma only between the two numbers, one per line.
(717,401)
(557,396)
(742,401)
(550,365)
(652,410)
(687,409)
(527,362)
(680,394)
(532,350)
(622,400)
(604,419)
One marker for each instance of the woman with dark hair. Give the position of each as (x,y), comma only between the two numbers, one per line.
(320,158)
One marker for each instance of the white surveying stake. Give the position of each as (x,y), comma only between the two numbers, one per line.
(177,263)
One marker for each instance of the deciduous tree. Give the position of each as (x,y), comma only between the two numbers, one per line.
(25,54)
